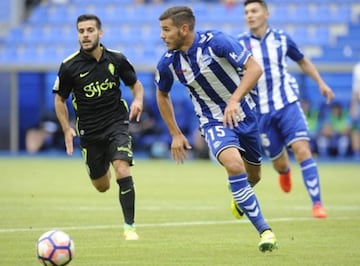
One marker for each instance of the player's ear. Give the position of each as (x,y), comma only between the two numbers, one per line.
(101,33)
(185,29)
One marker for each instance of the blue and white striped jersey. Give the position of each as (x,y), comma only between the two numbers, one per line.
(276,87)
(211,70)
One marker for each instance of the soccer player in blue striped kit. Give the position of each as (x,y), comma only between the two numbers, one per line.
(218,74)
(281,119)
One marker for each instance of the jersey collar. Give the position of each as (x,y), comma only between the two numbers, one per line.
(268,30)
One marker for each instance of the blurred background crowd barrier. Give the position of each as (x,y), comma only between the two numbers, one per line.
(36,36)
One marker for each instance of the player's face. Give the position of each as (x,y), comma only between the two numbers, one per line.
(256,16)
(171,35)
(89,35)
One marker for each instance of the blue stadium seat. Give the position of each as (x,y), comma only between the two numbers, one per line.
(129,26)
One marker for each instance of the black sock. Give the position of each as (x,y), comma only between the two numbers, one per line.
(127,198)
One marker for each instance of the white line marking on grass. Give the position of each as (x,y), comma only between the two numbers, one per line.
(172,224)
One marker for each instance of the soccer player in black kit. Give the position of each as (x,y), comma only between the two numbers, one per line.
(92,75)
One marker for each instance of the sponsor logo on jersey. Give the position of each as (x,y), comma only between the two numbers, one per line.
(84,74)
(96,88)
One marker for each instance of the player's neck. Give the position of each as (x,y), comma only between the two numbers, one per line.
(188,42)
(97,53)
(261,31)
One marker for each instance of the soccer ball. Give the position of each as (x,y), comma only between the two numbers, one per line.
(55,248)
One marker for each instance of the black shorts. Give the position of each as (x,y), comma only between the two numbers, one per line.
(116,146)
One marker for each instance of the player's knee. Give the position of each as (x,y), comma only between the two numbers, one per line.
(102,184)
(102,187)
(302,154)
(234,167)
(121,168)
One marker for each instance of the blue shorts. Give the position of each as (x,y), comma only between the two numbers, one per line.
(245,137)
(281,128)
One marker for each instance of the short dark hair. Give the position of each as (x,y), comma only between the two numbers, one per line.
(85,17)
(261,2)
(179,15)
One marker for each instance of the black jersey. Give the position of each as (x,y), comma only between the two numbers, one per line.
(95,89)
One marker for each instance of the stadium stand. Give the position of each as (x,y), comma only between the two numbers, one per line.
(329,27)
(327,31)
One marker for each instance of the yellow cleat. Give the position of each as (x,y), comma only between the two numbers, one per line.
(130,232)
(267,241)
(236,211)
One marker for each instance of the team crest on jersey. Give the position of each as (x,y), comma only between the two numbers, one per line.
(111,68)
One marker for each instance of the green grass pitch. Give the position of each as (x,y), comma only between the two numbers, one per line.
(183,215)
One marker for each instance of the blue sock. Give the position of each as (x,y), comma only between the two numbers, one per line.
(245,198)
(311,179)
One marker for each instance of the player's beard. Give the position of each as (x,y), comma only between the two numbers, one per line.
(178,43)
(92,47)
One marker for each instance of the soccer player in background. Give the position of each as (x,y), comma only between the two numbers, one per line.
(355,112)
(212,66)
(92,75)
(281,119)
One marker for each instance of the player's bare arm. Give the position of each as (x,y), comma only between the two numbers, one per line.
(308,68)
(232,111)
(179,141)
(137,104)
(62,114)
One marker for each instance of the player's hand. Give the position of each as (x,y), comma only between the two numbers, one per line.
(232,115)
(136,109)
(179,146)
(69,135)
(327,93)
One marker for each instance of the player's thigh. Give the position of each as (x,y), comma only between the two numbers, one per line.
(96,160)
(218,138)
(120,145)
(225,147)
(249,138)
(120,152)
(271,140)
(292,124)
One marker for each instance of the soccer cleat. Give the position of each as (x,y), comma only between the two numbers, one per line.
(285,181)
(267,241)
(237,212)
(130,232)
(318,211)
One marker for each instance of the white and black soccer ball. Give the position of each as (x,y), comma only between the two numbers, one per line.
(55,248)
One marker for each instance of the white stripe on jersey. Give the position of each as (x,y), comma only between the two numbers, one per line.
(211,70)
(276,87)
(211,78)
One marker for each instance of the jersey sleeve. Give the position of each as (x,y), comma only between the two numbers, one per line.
(293,50)
(62,84)
(127,71)
(229,47)
(164,78)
